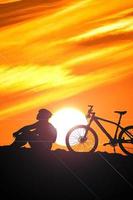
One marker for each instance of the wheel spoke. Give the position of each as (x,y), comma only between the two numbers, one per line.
(73,138)
(129,134)
(87,146)
(126,140)
(76,142)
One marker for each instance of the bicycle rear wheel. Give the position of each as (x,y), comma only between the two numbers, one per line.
(77,142)
(126,140)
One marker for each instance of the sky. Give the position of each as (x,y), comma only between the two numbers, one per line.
(64,53)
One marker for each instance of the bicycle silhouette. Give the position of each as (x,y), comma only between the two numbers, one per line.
(83,138)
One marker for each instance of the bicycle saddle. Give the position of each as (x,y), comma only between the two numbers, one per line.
(121,112)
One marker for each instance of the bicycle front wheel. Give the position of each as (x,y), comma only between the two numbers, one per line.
(126,140)
(81,139)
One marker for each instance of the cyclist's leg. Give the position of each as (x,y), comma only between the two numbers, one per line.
(47,146)
(37,142)
(18,142)
(33,140)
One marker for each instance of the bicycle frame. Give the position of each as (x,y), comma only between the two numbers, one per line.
(78,135)
(96,120)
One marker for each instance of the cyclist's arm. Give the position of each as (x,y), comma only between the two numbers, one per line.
(25,129)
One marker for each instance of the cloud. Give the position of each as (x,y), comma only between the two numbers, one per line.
(50,52)
(19,11)
(8,1)
(50,85)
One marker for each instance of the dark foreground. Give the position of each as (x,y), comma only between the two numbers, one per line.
(63,175)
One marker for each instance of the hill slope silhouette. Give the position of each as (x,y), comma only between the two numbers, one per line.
(26,174)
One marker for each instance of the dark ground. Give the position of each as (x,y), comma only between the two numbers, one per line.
(64,175)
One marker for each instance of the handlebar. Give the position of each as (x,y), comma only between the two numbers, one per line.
(89,111)
(90,106)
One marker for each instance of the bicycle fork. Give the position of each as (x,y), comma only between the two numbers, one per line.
(89,124)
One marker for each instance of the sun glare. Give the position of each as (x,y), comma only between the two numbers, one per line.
(65,119)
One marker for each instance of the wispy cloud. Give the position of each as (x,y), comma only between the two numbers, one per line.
(61,50)
(8,1)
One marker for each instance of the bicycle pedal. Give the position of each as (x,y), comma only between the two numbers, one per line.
(106,144)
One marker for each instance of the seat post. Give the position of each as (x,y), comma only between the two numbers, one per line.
(120,113)
(118,124)
(120,119)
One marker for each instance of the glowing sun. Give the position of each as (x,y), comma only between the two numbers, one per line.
(65,119)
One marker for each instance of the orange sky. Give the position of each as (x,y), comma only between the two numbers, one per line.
(61,53)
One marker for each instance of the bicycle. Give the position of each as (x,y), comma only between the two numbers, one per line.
(83,138)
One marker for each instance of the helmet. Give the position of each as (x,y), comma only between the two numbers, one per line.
(44,114)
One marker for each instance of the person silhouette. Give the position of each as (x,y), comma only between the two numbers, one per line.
(40,134)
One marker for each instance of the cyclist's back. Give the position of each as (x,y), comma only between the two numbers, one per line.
(46,131)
